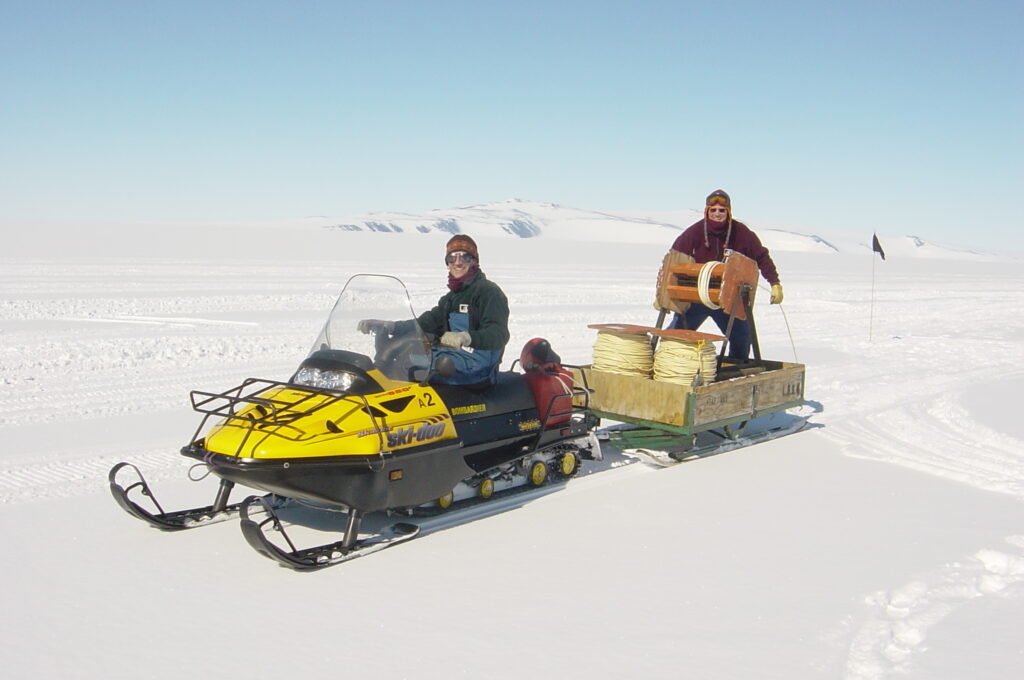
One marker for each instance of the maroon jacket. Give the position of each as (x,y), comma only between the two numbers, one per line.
(708,245)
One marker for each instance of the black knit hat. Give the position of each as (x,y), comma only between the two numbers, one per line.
(719,197)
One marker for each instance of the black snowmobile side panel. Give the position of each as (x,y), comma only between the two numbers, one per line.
(367,483)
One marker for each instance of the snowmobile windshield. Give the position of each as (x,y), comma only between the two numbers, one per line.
(372,325)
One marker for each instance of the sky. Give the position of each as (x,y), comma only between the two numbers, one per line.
(840,117)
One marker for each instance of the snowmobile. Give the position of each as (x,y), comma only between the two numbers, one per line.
(365,425)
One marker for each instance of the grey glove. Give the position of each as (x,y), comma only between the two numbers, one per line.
(376,326)
(456,339)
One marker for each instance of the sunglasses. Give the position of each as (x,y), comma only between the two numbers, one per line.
(451,258)
(718,200)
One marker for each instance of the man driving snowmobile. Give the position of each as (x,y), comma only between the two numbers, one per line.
(470,320)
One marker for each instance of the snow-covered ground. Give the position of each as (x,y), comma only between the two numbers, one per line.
(886,540)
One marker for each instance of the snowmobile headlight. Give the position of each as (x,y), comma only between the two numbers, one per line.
(341,381)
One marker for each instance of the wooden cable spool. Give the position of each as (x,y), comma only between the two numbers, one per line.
(678,282)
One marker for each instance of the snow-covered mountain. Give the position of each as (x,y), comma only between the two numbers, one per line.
(515,218)
(521,219)
(521,226)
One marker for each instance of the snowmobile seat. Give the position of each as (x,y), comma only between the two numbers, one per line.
(509,392)
(503,411)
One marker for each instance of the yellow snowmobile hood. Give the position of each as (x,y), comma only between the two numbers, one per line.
(295,422)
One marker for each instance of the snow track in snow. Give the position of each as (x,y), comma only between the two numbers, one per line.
(98,396)
(970,452)
(900,619)
(67,478)
(903,404)
(915,416)
(84,345)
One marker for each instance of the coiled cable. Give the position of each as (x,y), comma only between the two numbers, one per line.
(623,353)
(704,284)
(685,362)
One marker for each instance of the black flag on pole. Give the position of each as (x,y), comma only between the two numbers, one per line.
(876,246)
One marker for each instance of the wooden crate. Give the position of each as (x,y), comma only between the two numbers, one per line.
(688,410)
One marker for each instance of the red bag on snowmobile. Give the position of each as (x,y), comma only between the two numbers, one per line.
(549,381)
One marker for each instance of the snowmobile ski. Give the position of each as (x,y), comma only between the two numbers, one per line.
(321,556)
(176,520)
